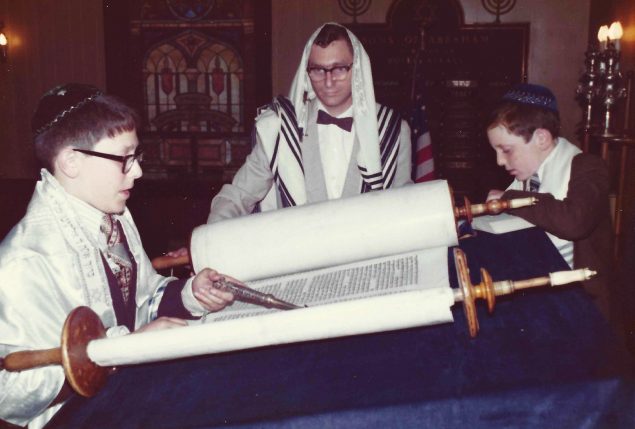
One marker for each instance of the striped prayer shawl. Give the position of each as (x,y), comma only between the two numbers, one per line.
(290,136)
(389,125)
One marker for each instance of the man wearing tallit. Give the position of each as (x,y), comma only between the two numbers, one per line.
(328,140)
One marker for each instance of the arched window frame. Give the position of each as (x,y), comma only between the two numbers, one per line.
(170,69)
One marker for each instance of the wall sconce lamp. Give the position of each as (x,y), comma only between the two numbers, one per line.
(4,44)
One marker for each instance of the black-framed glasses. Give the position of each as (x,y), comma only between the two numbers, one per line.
(318,73)
(127,161)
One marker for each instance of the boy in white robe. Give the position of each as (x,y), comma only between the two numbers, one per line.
(59,257)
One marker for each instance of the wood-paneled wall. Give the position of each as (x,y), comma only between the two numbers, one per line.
(50,42)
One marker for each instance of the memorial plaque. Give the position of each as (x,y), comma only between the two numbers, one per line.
(424,53)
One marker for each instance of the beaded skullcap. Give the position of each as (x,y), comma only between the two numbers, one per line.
(532,95)
(59,102)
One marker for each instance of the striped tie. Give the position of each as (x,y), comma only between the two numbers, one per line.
(117,255)
(534,183)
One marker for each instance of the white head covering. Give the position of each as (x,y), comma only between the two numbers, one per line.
(364,108)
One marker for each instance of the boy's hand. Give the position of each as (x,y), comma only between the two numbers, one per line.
(162,323)
(495,194)
(211,299)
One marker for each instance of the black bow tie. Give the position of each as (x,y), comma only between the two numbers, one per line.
(325,119)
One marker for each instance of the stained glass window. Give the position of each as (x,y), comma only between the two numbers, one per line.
(190,9)
(194,83)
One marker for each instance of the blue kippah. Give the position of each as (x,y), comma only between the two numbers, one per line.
(532,95)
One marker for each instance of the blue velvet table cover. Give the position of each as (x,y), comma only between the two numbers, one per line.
(545,359)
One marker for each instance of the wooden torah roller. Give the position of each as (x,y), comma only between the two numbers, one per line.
(167,262)
(491,207)
(85,377)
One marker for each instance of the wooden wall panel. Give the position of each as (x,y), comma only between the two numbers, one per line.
(51,42)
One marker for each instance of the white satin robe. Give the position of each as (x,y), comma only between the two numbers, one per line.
(49,265)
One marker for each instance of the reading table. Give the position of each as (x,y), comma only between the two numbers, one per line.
(545,359)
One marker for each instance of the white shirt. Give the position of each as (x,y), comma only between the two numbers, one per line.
(336,147)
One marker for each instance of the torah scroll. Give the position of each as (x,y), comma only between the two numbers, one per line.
(330,233)
(366,252)
(362,234)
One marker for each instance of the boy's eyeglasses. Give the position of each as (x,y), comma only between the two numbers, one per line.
(317,73)
(127,161)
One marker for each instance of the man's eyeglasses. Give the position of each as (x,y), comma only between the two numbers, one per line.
(318,73)
(127,161)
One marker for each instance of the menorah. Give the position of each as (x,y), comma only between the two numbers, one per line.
(354,8)
(601,85)
(498,7)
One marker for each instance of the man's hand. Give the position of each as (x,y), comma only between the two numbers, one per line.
(495,194)
(204,291)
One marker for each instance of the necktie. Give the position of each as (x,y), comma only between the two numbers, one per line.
(117,255)
(534,183)
(325,119)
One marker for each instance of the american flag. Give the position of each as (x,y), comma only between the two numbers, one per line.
(423,165)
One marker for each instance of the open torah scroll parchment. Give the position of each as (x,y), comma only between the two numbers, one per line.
(424,271)
(398,304)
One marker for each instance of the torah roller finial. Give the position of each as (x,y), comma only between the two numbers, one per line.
(488,290)
(82,325)
(491,207)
